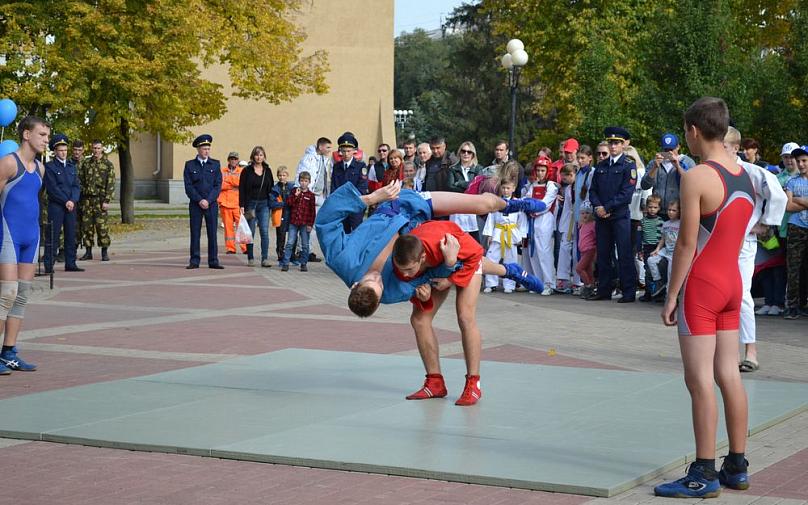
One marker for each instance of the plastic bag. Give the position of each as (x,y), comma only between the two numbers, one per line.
(243,233)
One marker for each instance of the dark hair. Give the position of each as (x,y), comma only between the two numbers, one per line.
(407,249)
(304,175)
(323,140)
(78,143)
(569,168)
(371,158)
(96,142)
(384,145)
(437,140)
(363,300)
(675,201)
(750,143)
(28,123)
(585,149)
(409,142)
(710,115)
(501,142)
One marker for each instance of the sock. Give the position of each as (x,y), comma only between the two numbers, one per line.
(7,348)
(736,460)
(708,465)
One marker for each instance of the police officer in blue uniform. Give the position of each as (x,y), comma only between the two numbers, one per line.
(350,170)
(203,182)
(610,194)
(62,186)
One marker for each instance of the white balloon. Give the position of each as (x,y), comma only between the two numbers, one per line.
(515,45)
(506,61)
(519,57)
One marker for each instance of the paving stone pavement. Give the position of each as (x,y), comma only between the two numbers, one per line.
(142,313)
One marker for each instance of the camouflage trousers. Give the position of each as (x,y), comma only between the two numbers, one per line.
(94,221)
(796,258)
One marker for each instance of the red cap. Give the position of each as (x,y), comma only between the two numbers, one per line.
(571,146)
(542,161)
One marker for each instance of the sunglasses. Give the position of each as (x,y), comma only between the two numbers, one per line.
(382,150)
(466,151)
(603,153)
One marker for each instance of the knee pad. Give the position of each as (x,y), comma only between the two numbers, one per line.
(8,294)
(18,309)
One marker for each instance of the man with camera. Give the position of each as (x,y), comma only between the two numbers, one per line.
(666,170)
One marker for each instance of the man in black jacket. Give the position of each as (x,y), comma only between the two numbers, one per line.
(203,182)
(437,168)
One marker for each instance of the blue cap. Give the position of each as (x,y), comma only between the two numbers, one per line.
(616,133)
(800,151)
(202,140)
(670,141)
(347,139)
(58,140)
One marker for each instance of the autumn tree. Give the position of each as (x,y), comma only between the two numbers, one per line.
(139,66)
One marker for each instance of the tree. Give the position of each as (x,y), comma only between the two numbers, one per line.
(138,65)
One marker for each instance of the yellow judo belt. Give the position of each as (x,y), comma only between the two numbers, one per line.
(505,236)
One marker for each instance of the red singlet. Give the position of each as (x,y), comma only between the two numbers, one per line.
(471,253)
(711,296)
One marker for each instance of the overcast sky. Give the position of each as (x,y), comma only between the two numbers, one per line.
(426,14)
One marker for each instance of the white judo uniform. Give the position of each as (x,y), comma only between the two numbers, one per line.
(537,258)
(506,233)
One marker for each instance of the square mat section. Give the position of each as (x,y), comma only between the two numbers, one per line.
(572,430)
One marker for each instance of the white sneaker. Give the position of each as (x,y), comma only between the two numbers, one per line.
(507,291)
(487,290)
(547,291)
(775,310)
(763,311)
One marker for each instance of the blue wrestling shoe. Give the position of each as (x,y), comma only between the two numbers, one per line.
(696,484)
(524,205)
(4,370)
(734,477)
(516,273)
(11,361)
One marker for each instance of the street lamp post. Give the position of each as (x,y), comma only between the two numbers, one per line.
(513,61)
(401,117)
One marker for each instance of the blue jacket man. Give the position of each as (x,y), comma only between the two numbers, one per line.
(203,182)
(62,186)
(350,170)
(610,194)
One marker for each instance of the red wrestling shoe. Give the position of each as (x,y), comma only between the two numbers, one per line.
(434,387)
(471,393)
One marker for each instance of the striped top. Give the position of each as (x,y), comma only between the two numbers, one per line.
(651,229)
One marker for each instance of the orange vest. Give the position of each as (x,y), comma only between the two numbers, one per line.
(228,197)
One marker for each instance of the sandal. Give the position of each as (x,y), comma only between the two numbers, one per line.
(748,365)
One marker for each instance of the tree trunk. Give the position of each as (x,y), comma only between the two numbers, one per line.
(127,174)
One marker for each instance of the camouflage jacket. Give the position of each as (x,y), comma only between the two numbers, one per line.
(97,179)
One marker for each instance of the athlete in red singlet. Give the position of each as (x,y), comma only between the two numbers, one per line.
(717,199)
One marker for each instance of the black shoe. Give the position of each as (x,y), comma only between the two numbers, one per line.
(313,257)
(104,255)
(230,252)
(597,297)
(216,267)
(73,268)
(625,299)
(191,266)
(285,267)
(88,254)
(48,270)
(646,298)
(304,268)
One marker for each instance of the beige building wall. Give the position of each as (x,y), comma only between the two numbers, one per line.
(358,36)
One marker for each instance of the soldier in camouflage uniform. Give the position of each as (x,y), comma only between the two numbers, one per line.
(97,179)
(78,159)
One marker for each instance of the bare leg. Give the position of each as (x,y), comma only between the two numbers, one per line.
(698,355)
(24,272)
(491,268)
(751,352)
(445,203)
(466,305)
(425,335)
(729,381)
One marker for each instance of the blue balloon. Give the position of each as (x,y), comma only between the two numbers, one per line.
(8,111)
(8,147)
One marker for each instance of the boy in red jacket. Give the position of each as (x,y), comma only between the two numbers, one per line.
(427,246)
(301,220)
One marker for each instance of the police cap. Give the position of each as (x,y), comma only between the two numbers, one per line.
(202,140)
(58,140)
(347,139)
(616,133)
